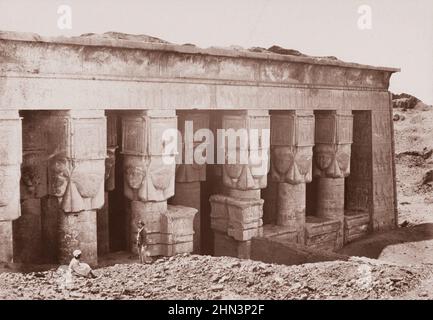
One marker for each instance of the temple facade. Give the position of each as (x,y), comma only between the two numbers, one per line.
(82,148)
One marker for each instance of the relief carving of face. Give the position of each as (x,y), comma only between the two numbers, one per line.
(88,183)
(60,175)
(234,171)
(258,167)
(304,160)
(30,178)
(161,176)
(283,159)
(135,176)
(343,160)
(324,156)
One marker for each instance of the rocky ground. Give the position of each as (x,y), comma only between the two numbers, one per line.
(204,277)
(395,265)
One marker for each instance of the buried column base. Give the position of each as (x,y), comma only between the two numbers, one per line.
(235,222)
(169,228)
(78,231)
(6,242)
(225,245)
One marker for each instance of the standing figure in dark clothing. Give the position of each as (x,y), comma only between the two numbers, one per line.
(143,253)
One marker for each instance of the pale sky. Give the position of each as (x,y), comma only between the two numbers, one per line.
(401,34)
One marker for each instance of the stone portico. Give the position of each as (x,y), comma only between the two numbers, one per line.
(81,148)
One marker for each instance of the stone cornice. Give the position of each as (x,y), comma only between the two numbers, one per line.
(25,55)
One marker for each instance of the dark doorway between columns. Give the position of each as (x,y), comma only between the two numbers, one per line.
(117,205)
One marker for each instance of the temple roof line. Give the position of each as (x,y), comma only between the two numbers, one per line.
(144,42)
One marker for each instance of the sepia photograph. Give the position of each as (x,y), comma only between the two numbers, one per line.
(232,153)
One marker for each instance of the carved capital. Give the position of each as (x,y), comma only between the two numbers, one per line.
(79,185)
(292,140)
(77,152)
(34,184)
(148,178)
(291,164)
(149,167)
(333,144)
(332,161)
(247,160)
(250,176)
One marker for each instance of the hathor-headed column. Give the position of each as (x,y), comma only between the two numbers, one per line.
(110,163)
(189,173)
(10,165)
(149,148)
(34,186)
(77,147)
(333,139)
(236,216)
(292,140)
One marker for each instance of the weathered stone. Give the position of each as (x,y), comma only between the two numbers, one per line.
(166,78)
(188,194)
(333,138)
(6,241)
(76,170)
(77,231)
(227,246)
(323,233)
(355,226)
(291,207)
(77,142)
(10,162)
(292,140)
(253,174)
(169,229)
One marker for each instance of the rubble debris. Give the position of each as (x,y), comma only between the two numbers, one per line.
(191,276)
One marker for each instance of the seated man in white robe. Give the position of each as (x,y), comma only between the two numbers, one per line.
(78,268)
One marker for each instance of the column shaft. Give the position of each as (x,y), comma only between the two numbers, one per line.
(6,241)
(334,131)
(78,230)
(34,186)
(292,140)
(149,150)
(10,163)
(291,207)
(78,144)
(236,215)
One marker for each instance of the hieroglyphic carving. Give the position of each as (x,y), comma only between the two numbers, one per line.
(148,175)
(384,214)
(292,140)
(10,162)
(333,139)
(76,169)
